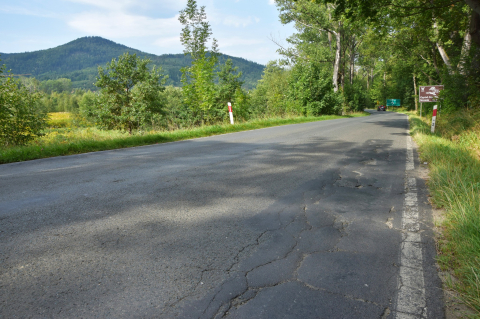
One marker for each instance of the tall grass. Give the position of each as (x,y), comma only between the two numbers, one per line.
(59,119)
(68,140)
(454,162)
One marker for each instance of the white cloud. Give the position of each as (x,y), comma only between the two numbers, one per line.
(239,21)
(121,5)
(122,25)
(271,2)
(238,41)
(111,5)
(25,11)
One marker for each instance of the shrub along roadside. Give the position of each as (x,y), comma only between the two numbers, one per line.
(43,150)
(454,162)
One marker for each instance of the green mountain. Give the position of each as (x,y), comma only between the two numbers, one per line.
(78,60)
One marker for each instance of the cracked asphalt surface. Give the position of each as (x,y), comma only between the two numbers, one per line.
(298,221)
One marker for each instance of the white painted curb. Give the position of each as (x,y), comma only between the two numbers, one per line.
(411,301)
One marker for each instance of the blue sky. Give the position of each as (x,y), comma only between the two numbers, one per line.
(242,27)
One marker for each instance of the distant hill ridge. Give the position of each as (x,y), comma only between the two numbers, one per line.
(78,60)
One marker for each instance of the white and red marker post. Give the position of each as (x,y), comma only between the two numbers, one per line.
(230,111)
(434,118)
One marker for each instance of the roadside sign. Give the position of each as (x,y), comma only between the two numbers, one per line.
(393,102)
(429,93)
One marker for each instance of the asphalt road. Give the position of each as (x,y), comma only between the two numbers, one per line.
(298,221)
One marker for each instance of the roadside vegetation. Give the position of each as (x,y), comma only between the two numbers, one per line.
(453,156)
(63,137)
(132,106)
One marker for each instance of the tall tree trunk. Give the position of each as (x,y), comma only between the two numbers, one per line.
(343,59)
(475,28)
(336,66)
(368,81)
(435,65)
(475,34)
(474,4)
(444,56)
(467,43)
(352,60)
(441,50)
(329,33)
(415,92)
(342,78)
(352,70)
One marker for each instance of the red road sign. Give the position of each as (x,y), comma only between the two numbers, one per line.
(429,93)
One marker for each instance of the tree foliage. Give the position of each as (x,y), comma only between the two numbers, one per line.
(270,96)
(21,118)
(311,87)
(387,48)
(206,89)
(323,48)
(198,79)
(130,93)
(229,89)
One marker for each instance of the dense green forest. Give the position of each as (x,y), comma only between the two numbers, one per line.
(78,60)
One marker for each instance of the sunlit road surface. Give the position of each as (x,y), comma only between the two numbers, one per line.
(298,221)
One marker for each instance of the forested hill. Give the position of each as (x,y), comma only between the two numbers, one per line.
(78,60)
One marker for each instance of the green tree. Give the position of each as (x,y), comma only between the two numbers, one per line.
(312,90)
(320,37)
(322,48)
(228,82)
(270,97)
(87,106)
(31,84)
(58,85)
(177,114)
(198,79)
(229,89)
(21,118)
(130,93)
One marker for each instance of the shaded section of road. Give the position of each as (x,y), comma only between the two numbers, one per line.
(327,240)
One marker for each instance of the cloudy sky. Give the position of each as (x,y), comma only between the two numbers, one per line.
(243,28)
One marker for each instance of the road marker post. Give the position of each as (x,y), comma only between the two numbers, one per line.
(230,111)
(434,118)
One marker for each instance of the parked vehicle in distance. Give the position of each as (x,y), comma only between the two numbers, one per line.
(381,108)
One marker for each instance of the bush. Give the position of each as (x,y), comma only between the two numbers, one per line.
(270,97)
(21,118)
(356,97)
(329,104)
(130,93)
(310,84)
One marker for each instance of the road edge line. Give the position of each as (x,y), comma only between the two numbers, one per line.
(411,300)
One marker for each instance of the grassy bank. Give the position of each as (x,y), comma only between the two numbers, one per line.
(453,156)
(63,139)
